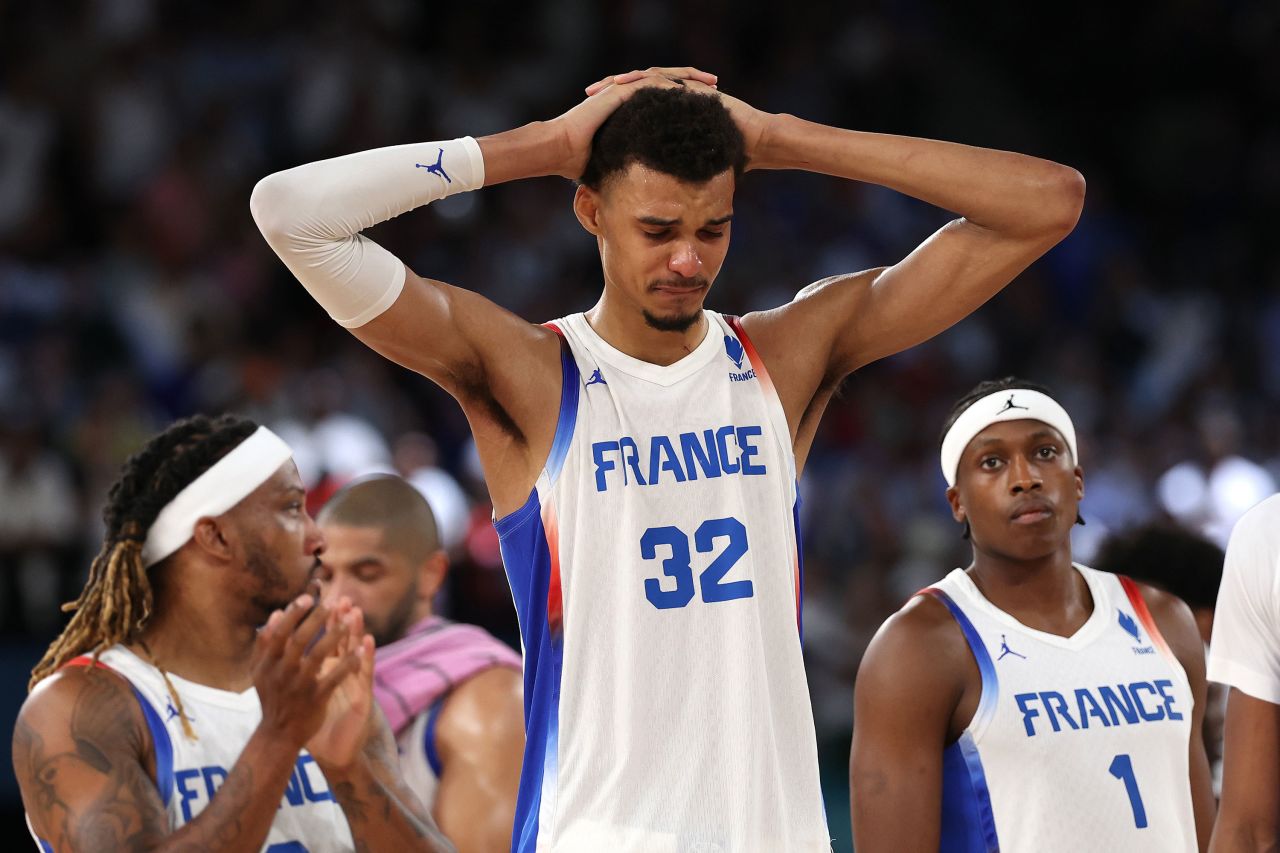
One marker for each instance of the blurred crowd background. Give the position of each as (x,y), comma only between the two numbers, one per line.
(134,287)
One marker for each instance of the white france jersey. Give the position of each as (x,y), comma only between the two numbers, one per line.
(189,772)
(420,763)
(656,573)
(1078,743)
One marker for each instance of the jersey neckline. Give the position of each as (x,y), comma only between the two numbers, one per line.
(246,700)
(658,374)
(1084,635)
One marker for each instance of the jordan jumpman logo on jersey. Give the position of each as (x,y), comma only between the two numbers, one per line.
(1005,650)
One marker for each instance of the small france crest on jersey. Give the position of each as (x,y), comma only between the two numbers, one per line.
(733,349)
(1130,627)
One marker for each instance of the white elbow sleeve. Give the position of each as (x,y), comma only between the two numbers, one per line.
(312,217)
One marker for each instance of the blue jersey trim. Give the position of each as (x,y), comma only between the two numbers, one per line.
(429,739)
(968,822)
(569,388)
(163,747)
(986,668)
(527,558)
(516,519)
(795,517)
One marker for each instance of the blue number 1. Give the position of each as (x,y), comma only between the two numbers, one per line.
(1122,768)
(287,847)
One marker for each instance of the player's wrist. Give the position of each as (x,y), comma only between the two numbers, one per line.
(354,769)
(773,145)
(533,150)
(273,745)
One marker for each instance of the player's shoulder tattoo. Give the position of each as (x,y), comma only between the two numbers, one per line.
(78,753)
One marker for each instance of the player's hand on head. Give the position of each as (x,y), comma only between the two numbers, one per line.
(751,121)
(675,75)
(348,712)
(579,124)
(298,662)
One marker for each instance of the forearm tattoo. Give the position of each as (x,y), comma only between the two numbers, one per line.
(381,812)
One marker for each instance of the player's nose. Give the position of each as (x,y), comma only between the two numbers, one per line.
(313,542)
(335,587)
(685,260)
(1022,476)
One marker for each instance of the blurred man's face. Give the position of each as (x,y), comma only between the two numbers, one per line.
(662,241)
(381,582)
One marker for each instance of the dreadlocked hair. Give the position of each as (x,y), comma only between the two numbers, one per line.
(117,599)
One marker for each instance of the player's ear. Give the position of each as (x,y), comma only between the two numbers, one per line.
(586,206)
(211,536)
(953,499)
(1079,472)
(431,574)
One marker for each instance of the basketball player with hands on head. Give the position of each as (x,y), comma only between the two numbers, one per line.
(451,692)
(1028,702)
(642,457)
(1245,655)
(198,700)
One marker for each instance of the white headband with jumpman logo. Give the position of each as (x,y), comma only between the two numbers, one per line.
(1015,404)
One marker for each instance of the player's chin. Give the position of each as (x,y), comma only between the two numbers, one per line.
(669,320)
(1023,544)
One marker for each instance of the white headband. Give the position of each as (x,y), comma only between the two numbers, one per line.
(230,480)
(1009,405)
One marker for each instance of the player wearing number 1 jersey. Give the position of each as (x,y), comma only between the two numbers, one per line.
(1028,703)
(642,457)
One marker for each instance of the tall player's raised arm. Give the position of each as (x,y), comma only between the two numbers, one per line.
(501,368)
(313,216)
(1013,209)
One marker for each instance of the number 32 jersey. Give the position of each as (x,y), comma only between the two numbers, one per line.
(1078,743)
(656,574)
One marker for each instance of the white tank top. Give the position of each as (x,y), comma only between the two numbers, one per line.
(656,574)
(419,757)
(1078,743)
(189,772)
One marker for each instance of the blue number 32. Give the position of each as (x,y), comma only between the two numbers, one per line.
(678,566)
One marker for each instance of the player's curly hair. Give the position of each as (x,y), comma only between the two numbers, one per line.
(688,135)
(117,600)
